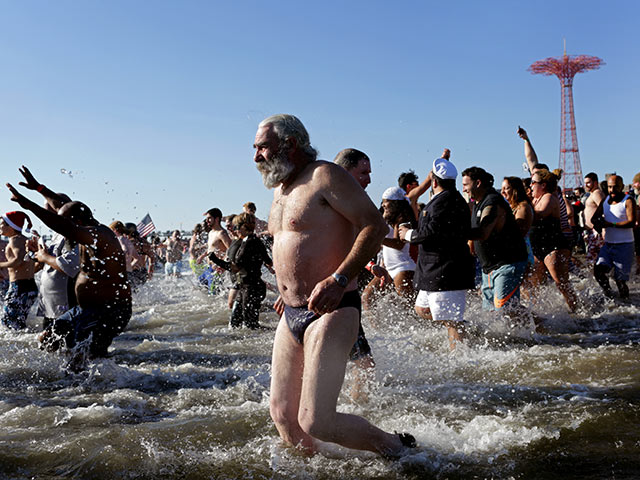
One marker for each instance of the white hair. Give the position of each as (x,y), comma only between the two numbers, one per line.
(286,126)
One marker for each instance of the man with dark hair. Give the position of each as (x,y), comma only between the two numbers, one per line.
(408,181)
(213,213)
(498,243)
(617,216)
(325,229)
(102,290)
(218,241)
(592,238)
(356,163)
(445,268)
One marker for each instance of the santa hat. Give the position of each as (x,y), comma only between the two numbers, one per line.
(16,221)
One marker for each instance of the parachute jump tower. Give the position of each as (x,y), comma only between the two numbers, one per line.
(565,68)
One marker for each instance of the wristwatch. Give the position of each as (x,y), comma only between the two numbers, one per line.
(341,280)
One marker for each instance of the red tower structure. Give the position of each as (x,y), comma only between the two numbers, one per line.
(565,68)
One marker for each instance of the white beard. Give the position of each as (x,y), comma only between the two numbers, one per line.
(276,170)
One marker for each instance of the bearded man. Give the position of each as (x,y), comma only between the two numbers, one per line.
(325,229)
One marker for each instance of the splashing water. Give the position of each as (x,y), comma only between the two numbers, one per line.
(183,396)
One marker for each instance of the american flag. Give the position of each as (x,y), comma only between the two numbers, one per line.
(146,226)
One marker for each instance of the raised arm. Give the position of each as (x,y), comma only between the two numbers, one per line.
(529,152)
(55,222)
(417,192)
(53,199)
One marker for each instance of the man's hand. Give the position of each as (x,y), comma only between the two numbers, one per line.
(325,296)
(522,133)
(403,228)
(17,196)
(41,254)
(278,305)
(32,242)
(382,274)
(446,153)
(31,183)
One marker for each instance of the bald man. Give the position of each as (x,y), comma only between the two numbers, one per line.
(617,216)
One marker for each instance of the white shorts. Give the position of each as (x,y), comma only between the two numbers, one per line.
(444,306)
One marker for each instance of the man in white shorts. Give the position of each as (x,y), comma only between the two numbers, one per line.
(445,268)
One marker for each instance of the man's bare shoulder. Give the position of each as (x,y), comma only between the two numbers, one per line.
(17,241)
(322,167)
(315,178)
(330,177)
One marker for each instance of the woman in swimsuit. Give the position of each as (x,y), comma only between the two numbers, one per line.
(395,252)
(549,245)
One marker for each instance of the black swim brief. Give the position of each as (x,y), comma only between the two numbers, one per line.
(299,318)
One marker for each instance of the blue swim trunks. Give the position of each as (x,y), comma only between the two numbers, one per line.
(173,268)
(211,279)
(501,287)
(18,300)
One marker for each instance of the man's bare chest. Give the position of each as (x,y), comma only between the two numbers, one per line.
(297,213)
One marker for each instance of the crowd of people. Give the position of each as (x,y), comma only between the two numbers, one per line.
(329,245)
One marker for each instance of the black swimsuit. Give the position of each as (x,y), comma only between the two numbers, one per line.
(546,236)
(299,319)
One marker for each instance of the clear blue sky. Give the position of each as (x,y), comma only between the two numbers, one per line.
(153,105)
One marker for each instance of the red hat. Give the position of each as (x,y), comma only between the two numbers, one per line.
(16,221)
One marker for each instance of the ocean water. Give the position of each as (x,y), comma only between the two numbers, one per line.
(183,396)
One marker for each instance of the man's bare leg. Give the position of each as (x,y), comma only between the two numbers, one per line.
(287,367)
(327,344)
(456,332)
(362,375)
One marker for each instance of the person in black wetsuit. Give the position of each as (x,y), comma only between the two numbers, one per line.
(246,256)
